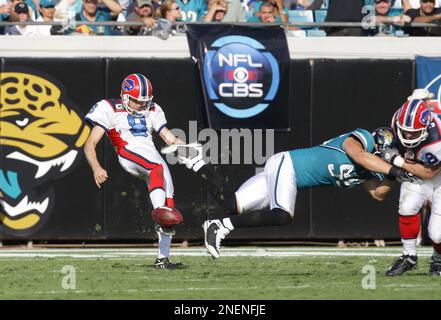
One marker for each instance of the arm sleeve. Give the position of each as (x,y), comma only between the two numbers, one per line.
(101,114)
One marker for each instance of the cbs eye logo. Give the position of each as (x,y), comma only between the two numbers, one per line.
(240,76)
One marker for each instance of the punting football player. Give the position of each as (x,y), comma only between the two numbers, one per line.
(129,123)
(268,198)
(418,130)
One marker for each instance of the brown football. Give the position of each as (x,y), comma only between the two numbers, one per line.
(167,216)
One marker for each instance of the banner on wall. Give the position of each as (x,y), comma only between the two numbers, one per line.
(244,72)
(428,76)
(42,133)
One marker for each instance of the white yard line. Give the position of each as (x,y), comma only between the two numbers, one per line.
(201,252)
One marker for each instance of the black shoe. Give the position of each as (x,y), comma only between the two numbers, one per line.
(165,263)
(435,268)
(214,232)
(401,265)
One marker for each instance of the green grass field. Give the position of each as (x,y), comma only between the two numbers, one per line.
(251,273)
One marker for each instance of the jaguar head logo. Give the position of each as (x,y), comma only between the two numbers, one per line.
(40,141)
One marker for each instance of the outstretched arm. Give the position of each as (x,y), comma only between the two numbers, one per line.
(367,160)
(99,174)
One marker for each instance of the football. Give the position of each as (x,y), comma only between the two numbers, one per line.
(167,216)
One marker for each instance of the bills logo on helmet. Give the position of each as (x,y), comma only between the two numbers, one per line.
(425,117)
(128,84)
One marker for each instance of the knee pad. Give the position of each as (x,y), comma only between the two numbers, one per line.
(411,200)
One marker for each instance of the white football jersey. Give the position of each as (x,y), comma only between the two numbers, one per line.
(430,150)
(123,128)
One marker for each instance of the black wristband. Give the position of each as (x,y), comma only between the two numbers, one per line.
(394,172)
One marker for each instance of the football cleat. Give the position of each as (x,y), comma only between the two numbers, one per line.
(401,265)
(435,268)
(165,263)
(214,232)
(168,231)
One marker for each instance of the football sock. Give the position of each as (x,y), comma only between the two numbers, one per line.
(409,229)
(436,256)
(164,242)
(261,218)
(157,196)
(219,188)
(409,246)
(437,247)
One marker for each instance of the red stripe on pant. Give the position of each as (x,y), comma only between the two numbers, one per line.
(169,202)
(410,226)
(156,170)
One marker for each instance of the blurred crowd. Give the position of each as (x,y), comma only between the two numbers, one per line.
(158,17)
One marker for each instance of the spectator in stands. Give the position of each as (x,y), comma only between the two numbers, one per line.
(216,12)
(343,11)
(47,11)
(170,11)
(143,13)
(298,4)
(67,9)
(5,10)
(390,19)
(22,11)
(14,17)
(427,13)
(278,12)
(91,12)
(192,10)
(236,11)
(415,4)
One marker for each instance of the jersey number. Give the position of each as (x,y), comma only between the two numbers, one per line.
(138,126)
(344,176)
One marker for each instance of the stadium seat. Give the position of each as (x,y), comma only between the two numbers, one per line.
(301,16)
(320,15)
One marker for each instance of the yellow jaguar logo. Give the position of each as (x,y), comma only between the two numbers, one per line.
(40,139)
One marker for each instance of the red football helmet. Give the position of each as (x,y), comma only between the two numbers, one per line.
(412,121)
(137,87)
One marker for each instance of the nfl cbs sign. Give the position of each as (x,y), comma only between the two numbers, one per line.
(244,73)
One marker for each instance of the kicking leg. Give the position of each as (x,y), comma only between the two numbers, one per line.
(276,186)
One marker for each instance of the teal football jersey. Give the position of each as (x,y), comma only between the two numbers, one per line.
(192,10)
(328,163)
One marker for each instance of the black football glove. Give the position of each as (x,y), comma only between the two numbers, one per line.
(401,176)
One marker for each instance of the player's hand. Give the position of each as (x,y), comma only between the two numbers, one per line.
(193,162)
(409,177)
(387,154)
(401,176)
(100,176)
